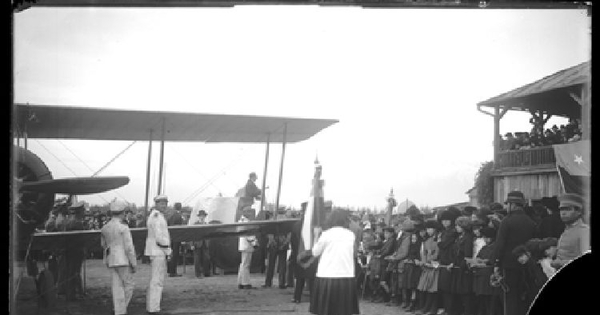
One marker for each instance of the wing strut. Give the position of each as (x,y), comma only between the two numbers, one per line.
(148,171)
(162,154)
(280,171)
(264,182)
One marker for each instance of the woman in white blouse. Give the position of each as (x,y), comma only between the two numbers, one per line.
(334,290)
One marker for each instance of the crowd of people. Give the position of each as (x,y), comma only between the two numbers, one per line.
(538,137)
(471,261)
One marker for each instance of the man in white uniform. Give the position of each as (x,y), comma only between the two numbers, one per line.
(119,257)
(246,247)
(158,249)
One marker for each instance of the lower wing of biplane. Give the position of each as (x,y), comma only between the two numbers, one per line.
(90,239)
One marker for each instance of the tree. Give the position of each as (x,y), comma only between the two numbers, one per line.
(485,183)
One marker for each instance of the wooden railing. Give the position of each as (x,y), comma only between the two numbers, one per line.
(525,158)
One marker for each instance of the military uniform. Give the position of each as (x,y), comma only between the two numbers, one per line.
(246,247)
(120,258)
(157,248)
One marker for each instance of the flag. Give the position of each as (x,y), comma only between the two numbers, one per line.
(573,165)
(313,215)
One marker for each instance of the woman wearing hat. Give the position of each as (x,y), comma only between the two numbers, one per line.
(428,281)
(398,261)
(446,239)
(487,298)
(334,290)
(462,279)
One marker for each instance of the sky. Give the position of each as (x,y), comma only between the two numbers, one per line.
(403,83)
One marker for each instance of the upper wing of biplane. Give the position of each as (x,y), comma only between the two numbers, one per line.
(63,122)
(179,233)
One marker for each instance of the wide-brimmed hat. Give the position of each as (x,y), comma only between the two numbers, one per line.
(488,232)
(202,212)
(432,224)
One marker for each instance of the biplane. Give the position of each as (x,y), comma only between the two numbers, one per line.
(34,188)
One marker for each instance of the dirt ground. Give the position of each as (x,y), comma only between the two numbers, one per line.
(182,295)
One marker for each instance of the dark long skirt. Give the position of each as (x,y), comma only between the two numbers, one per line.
(334,296)
(462,281)
(412,274)
(445,280)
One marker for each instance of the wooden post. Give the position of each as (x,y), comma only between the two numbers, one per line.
(496,132)
(148,171)
(586,126)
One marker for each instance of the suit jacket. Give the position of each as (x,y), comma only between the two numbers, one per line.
(516,229)
(174,218)
(158,241)
(551,226)
(200,243)
(251,190)
(118,245)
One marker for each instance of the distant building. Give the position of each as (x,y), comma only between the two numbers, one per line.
(472,193)
(533,170)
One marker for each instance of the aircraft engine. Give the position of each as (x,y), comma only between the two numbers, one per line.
(31,208)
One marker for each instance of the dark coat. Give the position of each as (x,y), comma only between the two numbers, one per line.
(251,190)
(551,226)
(174,218)
(462,279)
(445,257)
(533,280)
(516,229)
(481,275)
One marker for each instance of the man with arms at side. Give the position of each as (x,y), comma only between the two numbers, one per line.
(516,229)
(201,250)
(173,217)
(158,249)
(119,257)
(246,246)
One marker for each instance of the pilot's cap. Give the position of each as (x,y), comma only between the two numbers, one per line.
(161,198)
(570,200)
(118,206)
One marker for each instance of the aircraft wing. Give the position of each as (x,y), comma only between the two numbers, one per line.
(76,185)
(64,122)
(180,233)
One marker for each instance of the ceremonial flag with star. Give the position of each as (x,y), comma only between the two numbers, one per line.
(574,165)
(313,215)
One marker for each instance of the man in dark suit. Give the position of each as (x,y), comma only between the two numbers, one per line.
(174,218)
(252,191)
(516,229)
(551,225)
